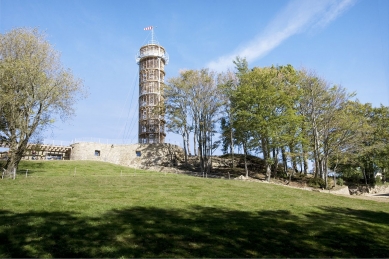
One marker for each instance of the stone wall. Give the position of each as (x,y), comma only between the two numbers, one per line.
(136,155)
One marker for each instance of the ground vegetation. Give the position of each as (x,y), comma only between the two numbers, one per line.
(95,209)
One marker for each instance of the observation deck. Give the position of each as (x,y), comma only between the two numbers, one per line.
(152,49)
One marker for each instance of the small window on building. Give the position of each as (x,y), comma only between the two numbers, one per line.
(97,152)
(138,153)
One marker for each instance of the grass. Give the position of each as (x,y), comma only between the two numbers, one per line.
(93,209)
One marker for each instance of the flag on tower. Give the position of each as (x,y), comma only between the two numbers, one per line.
(148,28)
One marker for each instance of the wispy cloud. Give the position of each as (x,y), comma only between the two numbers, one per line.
(298,16)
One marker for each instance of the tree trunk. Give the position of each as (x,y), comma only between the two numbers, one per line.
(13,162)
(364,175)
(284,160)
(245,160)
(232,148)
(187,140)
(266,157)
(305,162)
(293,158)
(185,150)
(275,158)
(268,172)
(325,171)
(194,140)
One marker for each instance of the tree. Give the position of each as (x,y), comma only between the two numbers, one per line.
(204,106)
(227,84)
(34,89)
(263,109)
(198,92)
(367,152)
(331,121)
(177,105)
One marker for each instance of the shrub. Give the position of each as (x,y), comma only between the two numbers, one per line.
(378,180)
(316,182)
(339,181)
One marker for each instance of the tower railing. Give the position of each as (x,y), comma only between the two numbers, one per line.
(151,53)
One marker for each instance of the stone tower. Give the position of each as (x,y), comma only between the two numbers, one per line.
(151,59)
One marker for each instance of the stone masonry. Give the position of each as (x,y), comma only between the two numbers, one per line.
(135,155)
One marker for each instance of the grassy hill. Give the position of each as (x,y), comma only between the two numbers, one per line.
(93,209)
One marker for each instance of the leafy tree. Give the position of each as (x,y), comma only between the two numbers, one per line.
(177,105)
(34,89)
(199,93)
(227,84)
(205,107)
(331,123)
(367,153)
(263,108)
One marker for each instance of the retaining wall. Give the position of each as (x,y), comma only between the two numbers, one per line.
(135,155)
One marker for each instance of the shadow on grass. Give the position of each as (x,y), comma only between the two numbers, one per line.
(382,194)
(195,232)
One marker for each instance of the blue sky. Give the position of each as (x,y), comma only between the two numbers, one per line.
(344,41)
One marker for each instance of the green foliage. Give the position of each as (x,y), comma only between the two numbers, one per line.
(339,181)
(265,117)
(372,149)
(193,100)
(378,180)
(34,89)
(352,175)
(316,182)
(291,114)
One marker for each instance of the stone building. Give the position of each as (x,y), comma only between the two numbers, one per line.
(141,156)
(134,155)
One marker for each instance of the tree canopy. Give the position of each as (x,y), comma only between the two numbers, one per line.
(286,115)
(35,89)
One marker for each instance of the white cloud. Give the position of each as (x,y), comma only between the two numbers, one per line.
(296,17)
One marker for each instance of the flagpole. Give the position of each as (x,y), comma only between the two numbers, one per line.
(152,35)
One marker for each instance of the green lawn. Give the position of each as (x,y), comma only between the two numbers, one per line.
(92,209)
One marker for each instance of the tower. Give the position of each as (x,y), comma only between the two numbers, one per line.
(151,59)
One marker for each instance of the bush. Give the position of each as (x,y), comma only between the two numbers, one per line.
(339,181)
(378,180)
(316,182)
(352,175)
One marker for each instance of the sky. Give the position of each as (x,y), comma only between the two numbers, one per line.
(345,42)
